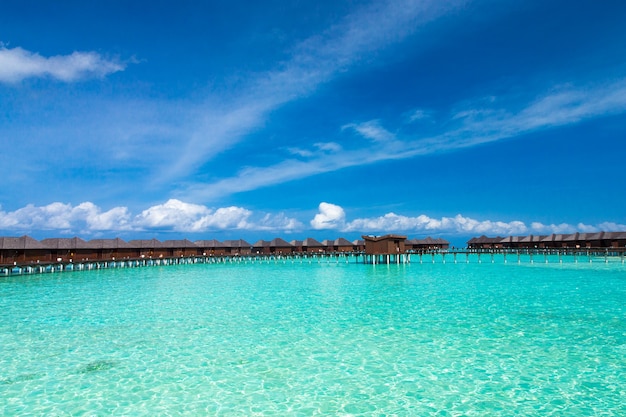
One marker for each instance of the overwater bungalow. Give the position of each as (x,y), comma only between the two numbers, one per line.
(342,245)
(67,249)
(384,245)
(275,246)
(358,245)
(308,245)
(426,244)
(22,249)
(554,241)
(148,248)
(280,246)
(178,248)
(484,242)
(210,247)
(237,247)
(110,249)
(531,241)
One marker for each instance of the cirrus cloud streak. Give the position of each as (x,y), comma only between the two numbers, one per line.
(468,126)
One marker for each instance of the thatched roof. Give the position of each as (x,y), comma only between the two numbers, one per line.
(342,242)
(179,244)
(116,243)
(146,244)
(209,244)
(512,239)
(261,244)
(483,240)
(240,243)
(533,239)
(65,243)
(312,243)
(23,242)
(279,243)
(554,238)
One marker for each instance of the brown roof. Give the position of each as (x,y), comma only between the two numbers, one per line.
(178,244)
(146,244)
(574,237)
(533,238)
(65,243)
(595,236)
(116,243)
(554,238)
(342,242)
(483,239)
(615,235)
(279,243)
(240,243)
(261,244)
(209,243)
(312,243)
(23,242)
(512,239)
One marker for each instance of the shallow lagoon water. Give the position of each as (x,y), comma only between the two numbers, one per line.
(302,339)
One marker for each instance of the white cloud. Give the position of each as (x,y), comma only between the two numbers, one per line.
(18,64)
(185,217)
(611,226)
(392,222)
(537,227)
(320,149)
(59,216)
(419,114)
(313,62)
(466,127)
(225,218)
(372,130)
(175,215)
(279,221)
(330,216)
(330,147)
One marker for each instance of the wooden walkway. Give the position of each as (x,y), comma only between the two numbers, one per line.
(606,255)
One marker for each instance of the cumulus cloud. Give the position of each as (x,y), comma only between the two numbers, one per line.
(330,216)
(422,223)
(59,216)
(17,64)
(173,215)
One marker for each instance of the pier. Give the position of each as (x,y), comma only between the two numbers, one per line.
(451,256)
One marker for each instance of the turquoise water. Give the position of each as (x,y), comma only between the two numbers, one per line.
(300,339)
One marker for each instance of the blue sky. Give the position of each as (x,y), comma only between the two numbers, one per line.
(229,119)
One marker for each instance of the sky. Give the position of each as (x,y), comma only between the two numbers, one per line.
(240,119)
